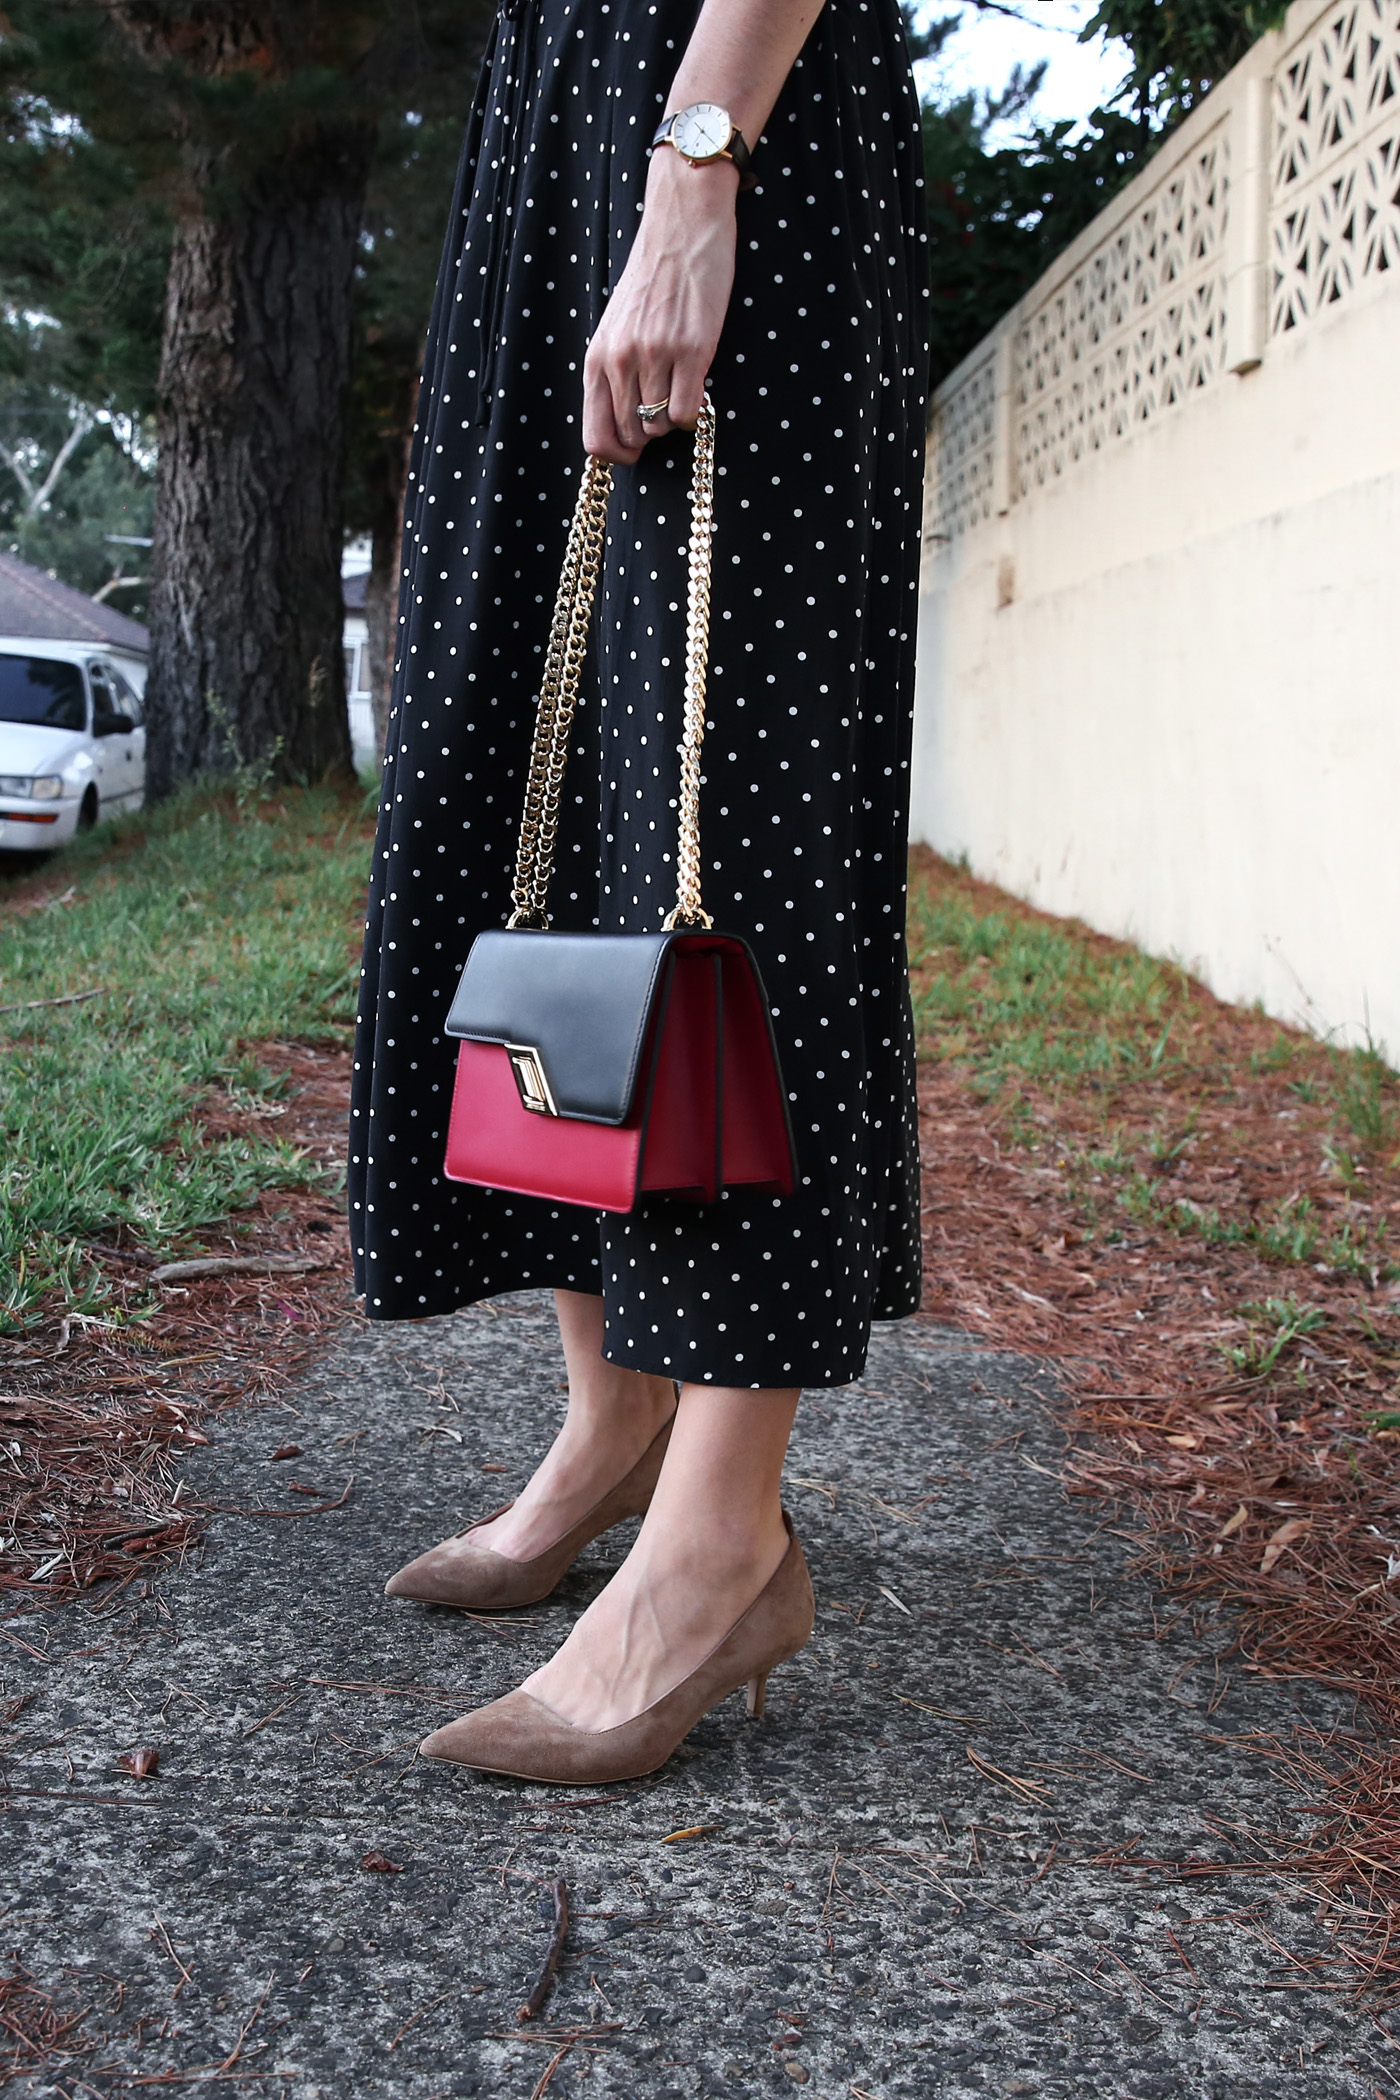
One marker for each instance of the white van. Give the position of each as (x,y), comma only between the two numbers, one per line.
(72,739)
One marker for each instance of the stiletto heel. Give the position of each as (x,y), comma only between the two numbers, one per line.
(522,1737)
(477,1578)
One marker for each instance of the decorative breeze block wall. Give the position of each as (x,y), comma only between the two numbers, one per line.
(1334,218)
(1277,199)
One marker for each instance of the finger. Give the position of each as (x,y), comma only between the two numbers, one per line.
(631,434)
(654,378)
(601,436)
(598,431)
(687,391)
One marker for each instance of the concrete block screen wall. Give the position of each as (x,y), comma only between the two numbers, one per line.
(1158,682)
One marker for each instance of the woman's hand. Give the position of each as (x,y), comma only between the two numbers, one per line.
(662,325)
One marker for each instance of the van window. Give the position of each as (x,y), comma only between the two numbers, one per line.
(104,699)
(128,699)
(41,690)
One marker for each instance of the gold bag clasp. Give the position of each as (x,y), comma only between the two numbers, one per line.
(530,1079)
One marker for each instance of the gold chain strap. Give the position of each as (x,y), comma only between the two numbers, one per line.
(559,697)
(568,638)
(689,910)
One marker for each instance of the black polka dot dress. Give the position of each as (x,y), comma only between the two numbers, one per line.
(819,385)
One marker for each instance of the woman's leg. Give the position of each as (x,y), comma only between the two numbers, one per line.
(612,1416)
(709,1543)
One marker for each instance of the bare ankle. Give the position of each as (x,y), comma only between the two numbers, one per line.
(725,1548)
(600,1405)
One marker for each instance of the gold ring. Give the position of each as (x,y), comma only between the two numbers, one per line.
(657,408)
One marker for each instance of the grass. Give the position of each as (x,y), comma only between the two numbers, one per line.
(1272,1327)
(203,928)
(221,921)
(1015,999)
(1366,1099)
(1078,1041)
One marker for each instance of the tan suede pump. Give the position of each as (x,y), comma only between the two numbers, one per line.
(477,1578)
(522,1738)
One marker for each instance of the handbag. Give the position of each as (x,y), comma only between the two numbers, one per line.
(595,1068)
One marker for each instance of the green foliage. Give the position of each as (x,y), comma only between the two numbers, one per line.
(1366,1097)
(84,242)
(998,216)
(1290,1232)
(101,490)
(105,491)
(1274,1325)
(200,103)
(84,231)
(406,207)
(111,125)
(207,928)
(1166,1147)
(111,119)
(1180,48)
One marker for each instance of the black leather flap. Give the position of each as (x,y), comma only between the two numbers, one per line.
(580,1000)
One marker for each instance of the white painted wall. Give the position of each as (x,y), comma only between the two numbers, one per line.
(364,745)
(1157,678)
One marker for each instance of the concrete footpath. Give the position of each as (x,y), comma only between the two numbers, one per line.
(893,1889)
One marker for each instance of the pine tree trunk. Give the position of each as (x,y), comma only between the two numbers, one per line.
(247,670)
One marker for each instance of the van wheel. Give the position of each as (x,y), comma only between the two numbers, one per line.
(87,810)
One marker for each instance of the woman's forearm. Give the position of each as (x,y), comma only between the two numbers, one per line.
(740,53)
(663,321)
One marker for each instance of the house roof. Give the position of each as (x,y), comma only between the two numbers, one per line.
(32,603)
(352,590)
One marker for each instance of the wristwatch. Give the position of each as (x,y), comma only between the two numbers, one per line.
(704,132)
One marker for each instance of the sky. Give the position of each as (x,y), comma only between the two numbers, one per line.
(987,46)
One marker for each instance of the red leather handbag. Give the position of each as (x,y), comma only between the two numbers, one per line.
(595,1068)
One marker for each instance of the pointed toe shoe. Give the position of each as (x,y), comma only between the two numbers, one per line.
(477,1578)
(519,1737)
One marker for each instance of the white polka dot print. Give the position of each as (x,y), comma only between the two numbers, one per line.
(819,389)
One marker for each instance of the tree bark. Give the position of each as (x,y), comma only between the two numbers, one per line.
(247,671)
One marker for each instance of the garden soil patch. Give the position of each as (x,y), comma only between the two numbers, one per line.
(95,1412)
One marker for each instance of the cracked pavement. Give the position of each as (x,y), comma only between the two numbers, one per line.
(901,1882)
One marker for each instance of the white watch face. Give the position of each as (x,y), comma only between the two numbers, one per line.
(702,131)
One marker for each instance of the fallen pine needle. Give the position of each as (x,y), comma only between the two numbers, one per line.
(550,2070)
(158,1931)
(246,2029)
(392,1691)
(1030,1789)
(414,2017)
(273,1715)
(229,1509)
(944,1713)
(1046,1864)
